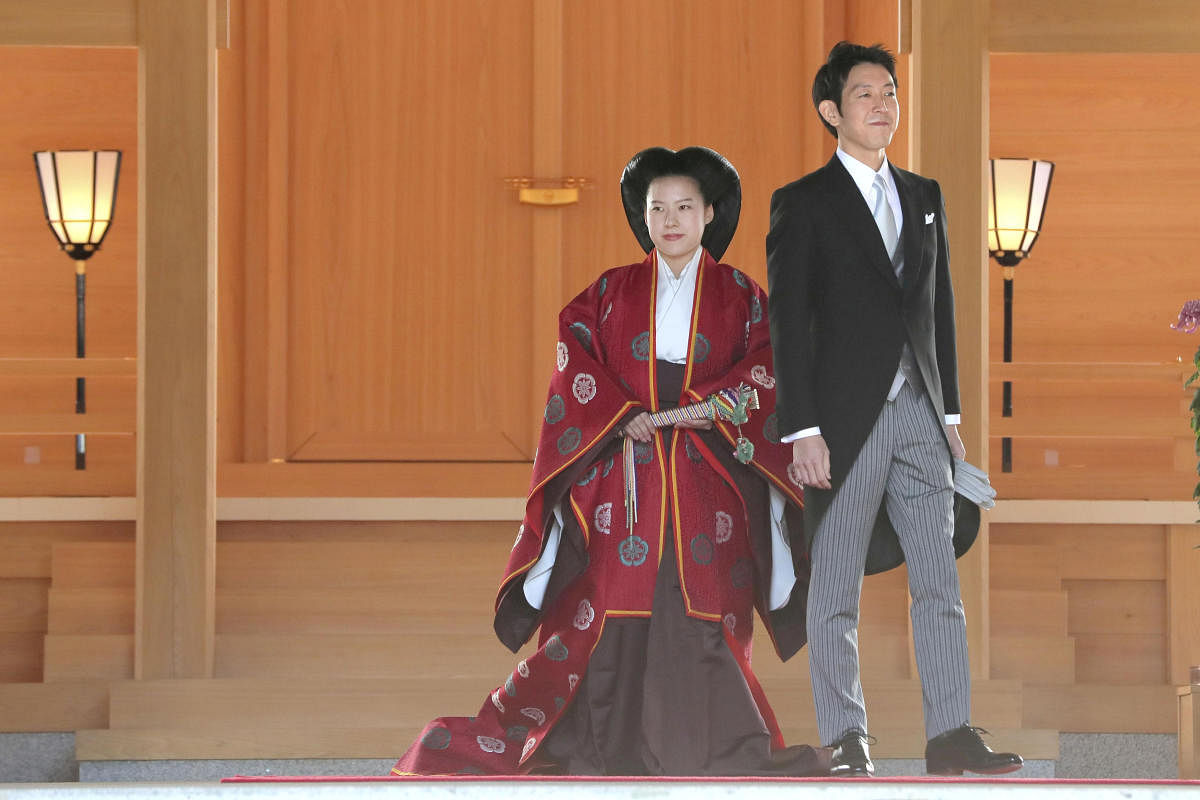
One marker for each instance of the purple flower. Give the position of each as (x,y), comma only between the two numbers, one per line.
(1189,317)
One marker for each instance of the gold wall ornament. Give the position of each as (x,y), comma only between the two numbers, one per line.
(548,191)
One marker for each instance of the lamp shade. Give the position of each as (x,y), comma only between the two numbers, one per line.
(79,194)
(1017,190)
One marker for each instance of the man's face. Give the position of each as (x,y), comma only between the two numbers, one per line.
(870,112)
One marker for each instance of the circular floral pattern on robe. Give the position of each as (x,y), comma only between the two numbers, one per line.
(520,533)
(555,649)
(770,429)
(510,687)
(561,356)
(608,465)
(702,549)
(529,745)
(724,525)
(516,733)
(741,279)
(607,310)
(559,703)
(587,478)
(496,702)
(583,333)
(584,388)
(536,714)
(759,374)
(490,745)
(569,440)
(556,409)
(701,347)
(633,551)
(602,285)
(523,668)
(730,621)
(584,615)
(572,681)
(643,452)
(755,310)
(602,518)
(436,739)
(742,574)
(693,453)
(641,346)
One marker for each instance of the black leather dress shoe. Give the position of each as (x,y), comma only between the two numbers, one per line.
(851,758)
(962,750)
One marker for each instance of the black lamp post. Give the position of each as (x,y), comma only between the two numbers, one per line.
(1017,191)
(79,194)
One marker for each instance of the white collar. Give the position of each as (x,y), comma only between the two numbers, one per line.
(864,176)
(665,273)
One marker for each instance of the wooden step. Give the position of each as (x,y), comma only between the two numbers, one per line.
(1028,612)
(50,707)
(391,742)
(1044,659)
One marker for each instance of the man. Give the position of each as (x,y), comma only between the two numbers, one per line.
(862,324)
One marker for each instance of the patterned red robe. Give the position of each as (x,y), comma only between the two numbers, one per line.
(604,375)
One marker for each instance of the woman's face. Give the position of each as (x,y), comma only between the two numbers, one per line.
(676,216)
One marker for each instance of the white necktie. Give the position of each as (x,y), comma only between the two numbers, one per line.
(884,217)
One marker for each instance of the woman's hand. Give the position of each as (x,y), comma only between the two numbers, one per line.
(695,424)
(639,428)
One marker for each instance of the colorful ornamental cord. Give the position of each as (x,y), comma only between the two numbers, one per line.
(732,405)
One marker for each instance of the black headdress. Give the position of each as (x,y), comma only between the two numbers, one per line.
(719,183)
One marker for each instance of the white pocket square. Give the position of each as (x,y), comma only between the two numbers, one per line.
(929,218)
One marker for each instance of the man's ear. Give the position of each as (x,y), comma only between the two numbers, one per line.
(829,112)
(708,213)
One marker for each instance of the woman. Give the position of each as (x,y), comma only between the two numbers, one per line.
(644,550)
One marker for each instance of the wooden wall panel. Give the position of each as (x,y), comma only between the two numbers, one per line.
(64,98)
(687,73)
(1111,268)
(407,251)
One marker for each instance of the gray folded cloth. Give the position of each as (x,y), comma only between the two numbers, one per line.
(972,483)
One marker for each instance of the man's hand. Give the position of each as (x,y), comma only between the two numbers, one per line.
(957,449)
(810,462)
(639,428)
(695,424)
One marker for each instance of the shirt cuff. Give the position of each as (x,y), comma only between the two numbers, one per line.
(804,434)
(953,419)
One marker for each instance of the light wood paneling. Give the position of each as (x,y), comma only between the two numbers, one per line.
(1183,599)
(1094,26)
(63,98)
(1189,733)
(1117,607)
(1041,659)
(53,707)
(1106,276)
(20,657)
(750,102)
(1095,552)
(1024,567)
(69,22)
(406,250)
(1029,612)
(1120,658)
(23,605)
(88,657)
(1100,707)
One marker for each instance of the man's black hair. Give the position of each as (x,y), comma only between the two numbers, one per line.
(830,81)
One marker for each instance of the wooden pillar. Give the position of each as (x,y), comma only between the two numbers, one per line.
(1183,598)
(547,162)
(176,338)
(949,130)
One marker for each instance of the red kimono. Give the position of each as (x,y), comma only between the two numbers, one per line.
(690,498)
